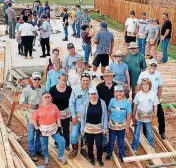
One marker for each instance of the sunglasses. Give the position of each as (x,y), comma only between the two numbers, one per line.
(37,79)
(153,65)
(85,75)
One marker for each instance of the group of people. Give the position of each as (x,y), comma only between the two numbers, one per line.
(70,93)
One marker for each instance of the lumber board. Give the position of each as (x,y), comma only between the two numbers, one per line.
(15,135)
(15,74)
(116,160)
(2,165)
(9,84)
(149,156)
(23,166)
(148,149)
(21,152)
(170,116)
(21,73)
(8,151)
(132,153)
(172,108)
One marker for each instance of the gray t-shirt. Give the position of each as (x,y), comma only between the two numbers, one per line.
(153,31)
(142,25)
(45,31)
(68,61)
(104,38)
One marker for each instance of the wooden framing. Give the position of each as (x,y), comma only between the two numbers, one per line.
(116,160)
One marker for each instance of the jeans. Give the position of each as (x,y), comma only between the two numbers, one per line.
(104,141)
(66,31)
(58,138)
(11,23)
(78,29)
(141,44)
(87,50)
(34,144)
(120,141)
(75,132)
(98,141)
(136,135)
(73,28)
(164,46)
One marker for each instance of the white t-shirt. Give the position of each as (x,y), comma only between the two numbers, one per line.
(26,29)
(155,78)
(145,103)
(131,24)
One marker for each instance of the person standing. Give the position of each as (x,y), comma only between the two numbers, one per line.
(30,99)
(73,21)
(26,32)
(105,44)
(136,64)
(145,109)
(5,6)
(11,20)
(94,124)
(119,121)
(61,95)
(131,29)
(85,18)
(141,33)
(65,24)
(27,11)
(157,82)
(78,97)
(166,31)
(78,21)
(45,33)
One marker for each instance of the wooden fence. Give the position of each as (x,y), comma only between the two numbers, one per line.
(119,10)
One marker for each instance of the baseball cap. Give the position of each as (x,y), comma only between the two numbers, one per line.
(108,72)
(85,9)
(36,75)
(152,61)
(118,88)
(92,90)
(103,24)
(70,45)
(132,12)
(83,27)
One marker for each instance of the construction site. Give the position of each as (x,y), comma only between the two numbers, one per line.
(15,73)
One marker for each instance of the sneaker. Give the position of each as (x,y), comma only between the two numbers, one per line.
(67,148)
(108,157)
(43,56)
(73,34)
(39,153)
(34,158)
(30,57)
(25,57)
(48,54)
(33,49)
(93,77)
(92,162)
(65,39)
(46,160)
(163,136)
(22,54)
(77,36)
(62,160)
(101,163)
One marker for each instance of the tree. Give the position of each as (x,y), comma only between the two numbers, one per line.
(80,2)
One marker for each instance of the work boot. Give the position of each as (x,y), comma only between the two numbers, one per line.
(65,39)
(62,160)
(6,32)
(101,163)
(74,152)
(74,34)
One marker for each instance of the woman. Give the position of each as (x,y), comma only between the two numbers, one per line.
(49,62)
(145,108)
(53,74)
(119,121)
(153,38)
(26,33)
(94,124)
(61,95)
(46,120)
(86,35)
(65,24)
(120,70)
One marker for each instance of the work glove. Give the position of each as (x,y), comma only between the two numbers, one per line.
(38,132)
(34,106)
(59,131)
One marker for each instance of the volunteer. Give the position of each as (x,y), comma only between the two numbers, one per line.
(53,74)
(30,99)
(5,6)
(77,21)
(85,17)
(65,24)
(46,121)
(119,121)
(94,124)
(145,109)
(78,96)
(73,23)
(157,83)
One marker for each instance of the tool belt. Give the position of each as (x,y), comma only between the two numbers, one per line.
(131,34)
(144,116)
(48,130)
(93,128)
(117,125)
(64,114)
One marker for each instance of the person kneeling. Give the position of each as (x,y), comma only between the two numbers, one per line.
(94,124)
(46,121)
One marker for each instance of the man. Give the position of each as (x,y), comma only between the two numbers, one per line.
(30,99)
(136,64)
(78,23)
(157,83)
(78,96)
(165,36)
(85,18)
(27,11)
(45,33)
(141,34)
(105,44)
(11,20)
(131,29)
(5,6)
(106,93)
(73,20)
(70,57)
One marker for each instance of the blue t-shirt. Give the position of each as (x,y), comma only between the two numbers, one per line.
(119,109)
(78,15)
(104,38)
(119,71)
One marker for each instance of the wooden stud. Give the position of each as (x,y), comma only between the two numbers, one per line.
(2,165)
(23,166)
(21,73)
(172,108)
(15,74)
(116,160)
